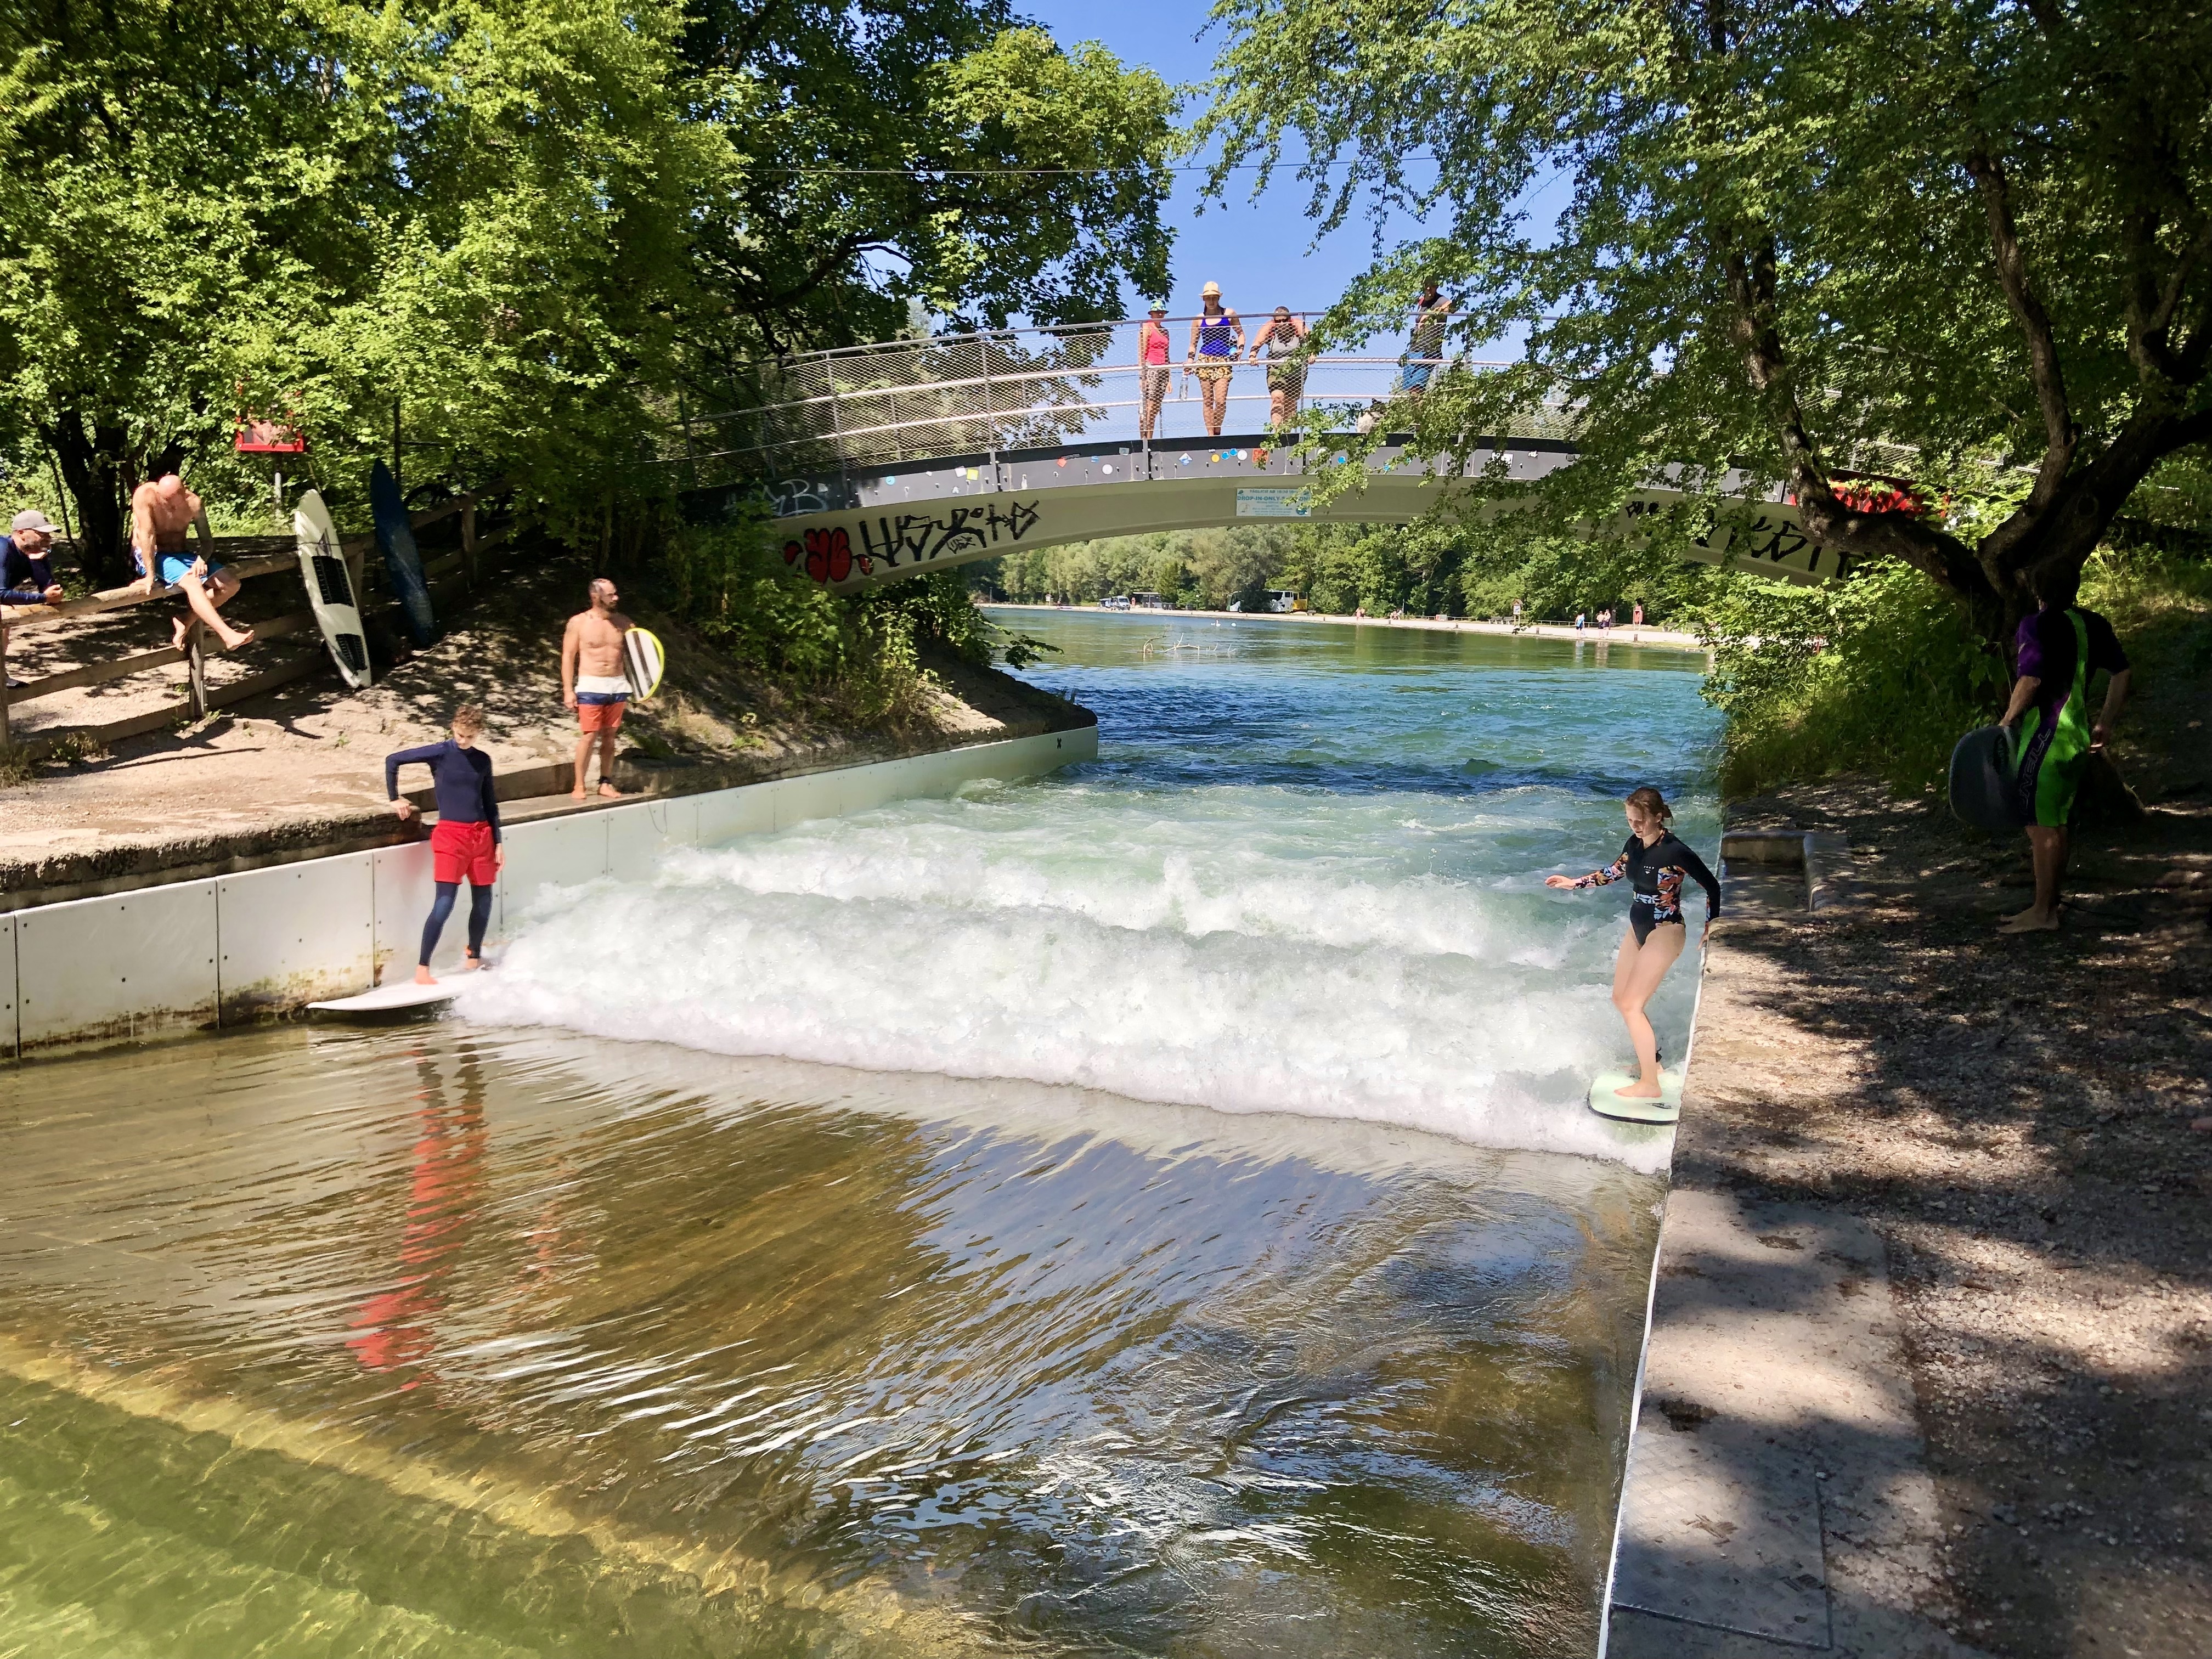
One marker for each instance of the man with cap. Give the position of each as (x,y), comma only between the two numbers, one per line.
(25,571)
(1152,370)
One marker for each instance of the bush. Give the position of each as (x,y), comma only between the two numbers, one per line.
(1881,673)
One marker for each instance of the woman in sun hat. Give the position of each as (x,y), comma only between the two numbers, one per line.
(1216,337)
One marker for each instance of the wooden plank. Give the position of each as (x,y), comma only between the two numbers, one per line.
(100,673)
(117,598)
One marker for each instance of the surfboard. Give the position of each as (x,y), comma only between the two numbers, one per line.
(329,589)
(642,662)
(1607,1103)
(391,999)
(1982,779)
(395,538)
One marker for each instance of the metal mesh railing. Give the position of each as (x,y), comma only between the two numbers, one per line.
(911,401)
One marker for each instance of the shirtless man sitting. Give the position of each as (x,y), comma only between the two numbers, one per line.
(160,513)
(592,682)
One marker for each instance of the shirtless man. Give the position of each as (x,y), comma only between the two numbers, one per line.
(592,682)
(160,513)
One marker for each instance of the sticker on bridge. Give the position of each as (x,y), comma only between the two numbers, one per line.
(1273,503)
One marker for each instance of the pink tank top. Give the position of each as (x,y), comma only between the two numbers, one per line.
(1155,343)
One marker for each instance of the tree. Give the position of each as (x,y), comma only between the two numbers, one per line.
(1961,238)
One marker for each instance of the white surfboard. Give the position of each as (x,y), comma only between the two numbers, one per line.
(390,999)
(642,662)
(1606,1102)
(329,589)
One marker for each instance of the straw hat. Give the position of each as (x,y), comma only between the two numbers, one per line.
(1211,291)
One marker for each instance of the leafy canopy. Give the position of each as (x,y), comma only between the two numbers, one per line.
(1966,240)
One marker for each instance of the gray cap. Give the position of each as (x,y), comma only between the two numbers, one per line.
(30,519)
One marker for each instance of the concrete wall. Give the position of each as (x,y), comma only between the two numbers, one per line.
(226,951)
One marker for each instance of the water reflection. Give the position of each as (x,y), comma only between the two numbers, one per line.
(451,1342)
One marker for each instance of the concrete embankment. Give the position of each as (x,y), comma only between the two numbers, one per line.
(175,953)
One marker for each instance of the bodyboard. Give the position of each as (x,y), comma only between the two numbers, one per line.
(395,538)
(1983,777)
(642,662)
(330,590)
(1607,1103)
(391,999)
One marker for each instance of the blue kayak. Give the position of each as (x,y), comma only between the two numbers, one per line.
(395,536)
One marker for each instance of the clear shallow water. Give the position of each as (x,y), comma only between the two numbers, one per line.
(465,1339)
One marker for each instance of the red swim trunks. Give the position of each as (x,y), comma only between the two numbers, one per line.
(463,851)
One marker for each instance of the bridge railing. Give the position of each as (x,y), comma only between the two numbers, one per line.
(930,398)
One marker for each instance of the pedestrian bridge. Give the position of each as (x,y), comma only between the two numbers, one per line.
(886,461)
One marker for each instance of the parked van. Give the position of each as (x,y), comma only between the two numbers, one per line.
(1150,602)
(1114,602)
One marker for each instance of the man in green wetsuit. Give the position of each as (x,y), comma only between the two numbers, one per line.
(2060,647)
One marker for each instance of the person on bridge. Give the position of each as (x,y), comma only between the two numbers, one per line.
(1424,350)
(1657,864)
(161,512)
(1216,338)
(1152,371)
(592,682)
(1282,336)
(2059,649)
(465,844)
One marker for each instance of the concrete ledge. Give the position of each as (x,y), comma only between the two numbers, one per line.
(174,957)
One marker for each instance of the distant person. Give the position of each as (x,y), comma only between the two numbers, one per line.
(1153,374)
(2059,649)
(1638,618)
(160,513)
(592,682)
(1281,335)
(1517,613)
(464,842)
(1425,349)
(1657,863)
(1216,337)
(1580,617)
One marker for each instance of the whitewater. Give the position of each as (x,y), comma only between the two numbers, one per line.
(1305,875)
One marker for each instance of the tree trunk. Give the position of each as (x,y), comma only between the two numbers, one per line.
(96,466)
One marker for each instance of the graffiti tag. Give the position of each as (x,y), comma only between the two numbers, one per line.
(922,538)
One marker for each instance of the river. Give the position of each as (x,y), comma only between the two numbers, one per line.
(1147,1209)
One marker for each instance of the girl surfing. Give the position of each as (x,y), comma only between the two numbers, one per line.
(1655,862)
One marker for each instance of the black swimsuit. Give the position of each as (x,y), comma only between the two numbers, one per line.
(1657,872)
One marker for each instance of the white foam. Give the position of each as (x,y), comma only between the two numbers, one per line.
(1226,953)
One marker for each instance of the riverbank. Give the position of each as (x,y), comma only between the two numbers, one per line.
(298,773)
(2013,1123)
(1648,638)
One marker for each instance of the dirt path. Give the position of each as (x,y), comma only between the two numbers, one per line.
(2014,1116)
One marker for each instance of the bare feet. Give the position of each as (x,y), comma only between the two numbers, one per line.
(2031,922)
(577,794)
(1638,1091)
(610,792)
(179,631)
(236,638)
(423,976)
(473,964)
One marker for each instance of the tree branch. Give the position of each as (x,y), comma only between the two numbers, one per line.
(2060,434)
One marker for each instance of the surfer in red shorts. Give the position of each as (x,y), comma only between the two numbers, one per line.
(592,682)
(464,843)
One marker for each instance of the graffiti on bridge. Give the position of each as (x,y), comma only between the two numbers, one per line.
(1772,537)
(893,539)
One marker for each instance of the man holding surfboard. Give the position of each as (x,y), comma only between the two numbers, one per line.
(2060,647)
(593,682)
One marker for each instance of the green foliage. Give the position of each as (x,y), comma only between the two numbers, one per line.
(1782,239)
(1880,674)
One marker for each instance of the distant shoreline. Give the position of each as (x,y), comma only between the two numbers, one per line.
(1660,638)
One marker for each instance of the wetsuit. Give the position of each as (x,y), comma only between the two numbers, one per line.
(467,830)
(2060,649)
(1657,874)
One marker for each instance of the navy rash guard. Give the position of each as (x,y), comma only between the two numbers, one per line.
(463,777)
(1656,873)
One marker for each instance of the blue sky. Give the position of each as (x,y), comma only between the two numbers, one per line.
(1259,253)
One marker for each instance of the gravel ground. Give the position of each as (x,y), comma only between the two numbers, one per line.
(2019,1118)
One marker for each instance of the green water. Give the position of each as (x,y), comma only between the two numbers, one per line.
(775,1335)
